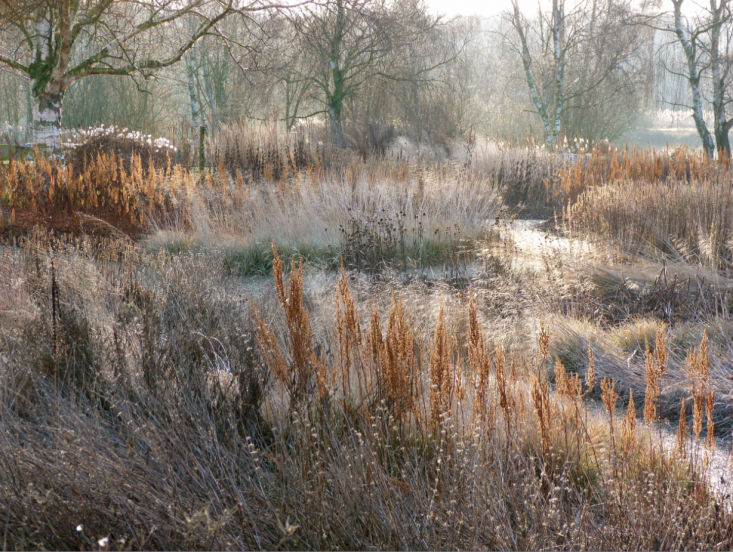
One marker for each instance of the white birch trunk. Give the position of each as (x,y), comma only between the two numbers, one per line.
(46,108)
(531,85)
(192,93)
(47,122)
(558,39)
(694,81)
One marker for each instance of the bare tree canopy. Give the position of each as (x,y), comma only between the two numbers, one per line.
(706,43)
(55,43)
(584,67)
(352,42)
(362,67)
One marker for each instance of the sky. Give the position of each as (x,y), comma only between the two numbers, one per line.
(477,7)
(494,7)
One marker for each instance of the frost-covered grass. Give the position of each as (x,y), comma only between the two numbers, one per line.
(152,397)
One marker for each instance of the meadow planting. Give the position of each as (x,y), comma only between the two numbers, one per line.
(302,347)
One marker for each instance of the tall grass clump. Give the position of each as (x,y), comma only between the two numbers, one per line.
(606,164)
(109,194)
(684,221)
(369,214)
(540,182)
(263,152)
(525,175)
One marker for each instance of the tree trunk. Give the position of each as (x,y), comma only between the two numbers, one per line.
(336,97)
(558,38)
(708,143)
(47,118)
(337,128)
(722,141)
(534,92)
(716,62)
(336,104)
(693,79)
(192,93)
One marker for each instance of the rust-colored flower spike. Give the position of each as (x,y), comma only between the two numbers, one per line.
(561,377)
(479,362)
(440,373)
(709,404)
(348,329)
(697,371)
(541,400)
(704,360)
(305,365)
(682,429)
(398,364)
(590,374)
(655,367)
(575,387)
(697,417)
(543,340)
(609,396)
(660,353)
(475,339)
(630,424)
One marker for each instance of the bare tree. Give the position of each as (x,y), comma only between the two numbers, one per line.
(547,102)
(191,63)
(58,42)
(582,67)
(706,43)
(353,42)
(239,57)
(294,77)
(346,40)
(426,73)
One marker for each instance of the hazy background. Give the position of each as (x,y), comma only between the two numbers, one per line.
(434,72)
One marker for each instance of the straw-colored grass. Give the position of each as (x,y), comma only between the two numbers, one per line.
(161,401)
(683,221)
(145,404)
(367,214)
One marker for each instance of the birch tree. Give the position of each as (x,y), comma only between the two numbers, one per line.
(706,43)
(191,70)
(58,42)
(547,102)
(582,67)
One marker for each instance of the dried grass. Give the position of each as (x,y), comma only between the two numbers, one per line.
(146,400)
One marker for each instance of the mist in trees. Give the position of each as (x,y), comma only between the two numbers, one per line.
(585,67)
(55,44)
(705,40)
(363,71)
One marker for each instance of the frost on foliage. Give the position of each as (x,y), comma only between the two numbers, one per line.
(80,137)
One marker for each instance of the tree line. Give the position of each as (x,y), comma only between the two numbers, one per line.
(564,72)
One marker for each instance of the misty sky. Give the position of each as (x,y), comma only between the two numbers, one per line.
(477,7)
(494,7)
